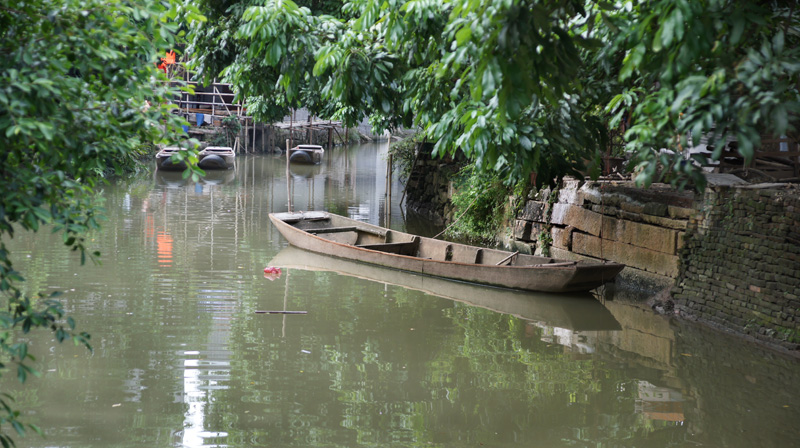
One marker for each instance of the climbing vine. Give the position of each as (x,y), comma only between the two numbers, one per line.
(546,235)
(480,197)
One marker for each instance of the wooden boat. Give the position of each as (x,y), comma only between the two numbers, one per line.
(310,154)
(574,311)
(164,161)
(216,158)
(335,235)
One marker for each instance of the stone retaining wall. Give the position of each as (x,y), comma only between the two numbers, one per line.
(740,264)
(734,252)
(643,229)
(429,187)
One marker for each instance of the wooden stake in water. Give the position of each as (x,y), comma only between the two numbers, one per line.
(288,186)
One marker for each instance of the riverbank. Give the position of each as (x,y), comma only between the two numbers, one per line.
(728,258)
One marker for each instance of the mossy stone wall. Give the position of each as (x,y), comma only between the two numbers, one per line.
(740,263)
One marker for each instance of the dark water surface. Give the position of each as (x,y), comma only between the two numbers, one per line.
(182,359)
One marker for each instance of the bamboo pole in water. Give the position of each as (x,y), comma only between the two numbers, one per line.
(389,182)
(288,187)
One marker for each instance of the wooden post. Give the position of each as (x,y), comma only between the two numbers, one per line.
(288,187)
(389,182)
(271,138)
(330,138)
(246,135)
(310,133)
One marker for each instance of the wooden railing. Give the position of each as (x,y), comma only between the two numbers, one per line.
(778,158)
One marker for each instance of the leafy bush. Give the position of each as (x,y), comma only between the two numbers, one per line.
(479,206)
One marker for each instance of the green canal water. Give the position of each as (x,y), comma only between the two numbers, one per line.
(381,359)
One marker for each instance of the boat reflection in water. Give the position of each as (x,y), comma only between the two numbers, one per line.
(575,311)
(305,171)
(174,179)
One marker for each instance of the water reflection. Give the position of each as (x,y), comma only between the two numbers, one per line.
(571,311)
(181,358)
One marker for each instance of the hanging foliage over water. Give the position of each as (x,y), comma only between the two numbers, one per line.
(524,86)
(80,96)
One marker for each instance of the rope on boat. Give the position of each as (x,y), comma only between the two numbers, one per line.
(506,259)
(459,218)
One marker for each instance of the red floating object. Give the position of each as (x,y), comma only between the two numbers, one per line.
(271,273)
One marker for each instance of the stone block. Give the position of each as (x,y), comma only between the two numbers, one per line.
(655,209)
(568,193)
(681,241)
(578,217)
(676,224)
(522,230)
(676,212)
(562,238)
(640,235)
(534,211)
(632,207)
(636,257)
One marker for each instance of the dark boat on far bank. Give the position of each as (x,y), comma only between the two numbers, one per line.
(335,235)
(164,159)
(216,158)
(309,154)
(209,158)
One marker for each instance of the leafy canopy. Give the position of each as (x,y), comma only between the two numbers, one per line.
(75,81)
(523,86)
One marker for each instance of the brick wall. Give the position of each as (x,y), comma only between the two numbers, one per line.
(740,263)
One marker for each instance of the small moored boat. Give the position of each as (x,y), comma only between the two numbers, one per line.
(164,161)
(311,154)
(335,235)
(216,158)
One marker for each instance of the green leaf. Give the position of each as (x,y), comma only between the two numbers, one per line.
(463,35)
(738,29)
(778,42)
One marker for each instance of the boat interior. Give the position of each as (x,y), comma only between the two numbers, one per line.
(169,150)
(220,150)
(376,238)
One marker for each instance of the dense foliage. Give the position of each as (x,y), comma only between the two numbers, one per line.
(75,81)
(479,204)
(524,86)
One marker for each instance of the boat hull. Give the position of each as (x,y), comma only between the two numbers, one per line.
(306,154)
(164,160)
(168,165)
(465,263)
(216,158)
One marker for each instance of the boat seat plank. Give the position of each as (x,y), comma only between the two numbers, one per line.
(406,248)
(493,257)
(348,238)
(332,229)
(344,229)
(434,250)
(465,254)
(291,218)
(556,265)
